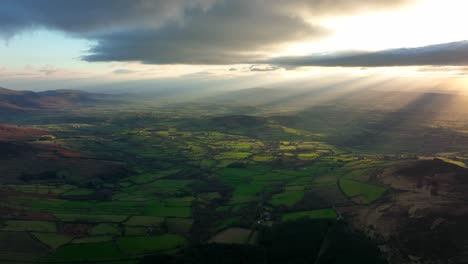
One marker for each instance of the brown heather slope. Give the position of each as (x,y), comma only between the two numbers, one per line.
(25,159)
(424,218)
(10,132)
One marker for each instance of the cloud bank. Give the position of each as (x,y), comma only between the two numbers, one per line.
(181,31)
(454,54)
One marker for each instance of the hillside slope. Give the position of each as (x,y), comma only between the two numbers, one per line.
(31,101)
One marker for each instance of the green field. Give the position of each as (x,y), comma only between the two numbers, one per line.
(308,156)
(87,252)
(314,214)
(35,226)
(179,225)
(144,221)
(91,218)
(104,229)
(232,155)
(144,245)
(135,231)
(287,198)
(363,192)
(52,239)
(91,239)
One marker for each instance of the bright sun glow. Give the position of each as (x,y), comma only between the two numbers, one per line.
(423,23)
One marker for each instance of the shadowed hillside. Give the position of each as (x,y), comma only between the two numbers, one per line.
(31,101)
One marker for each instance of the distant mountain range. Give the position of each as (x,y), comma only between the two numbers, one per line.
(31,101)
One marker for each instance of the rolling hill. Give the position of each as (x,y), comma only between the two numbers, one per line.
(33,101)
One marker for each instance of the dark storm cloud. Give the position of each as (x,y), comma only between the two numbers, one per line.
(231,33)
(180,31)
(454,54)
(90,16)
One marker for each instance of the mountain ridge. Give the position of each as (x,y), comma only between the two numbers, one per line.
(52,99)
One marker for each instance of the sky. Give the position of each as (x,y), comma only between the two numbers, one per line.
(55,44)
